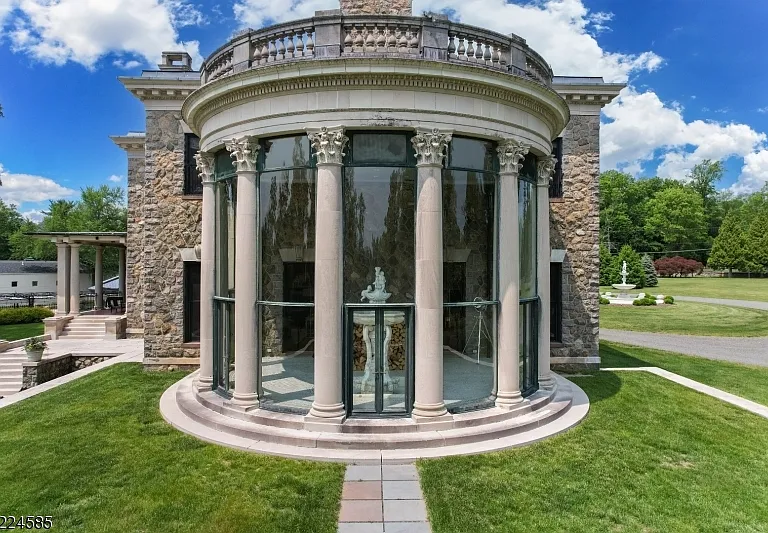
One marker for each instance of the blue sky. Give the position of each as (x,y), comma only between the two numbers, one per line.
(695,71)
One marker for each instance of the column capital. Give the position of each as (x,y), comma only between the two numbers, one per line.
(511,154)
(328,145)
(204,162)
(63,245)
(430,147)
(75,245)
(244,150)
(544,169)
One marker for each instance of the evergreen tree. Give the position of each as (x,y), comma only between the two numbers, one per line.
(728,248)
(635,272)
(651,280)
(757,244)
(605,265)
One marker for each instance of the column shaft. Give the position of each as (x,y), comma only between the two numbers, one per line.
(207,273)
(74,279)
(62,278)
(545,169)
(98,275)
(246,353)
(328,293)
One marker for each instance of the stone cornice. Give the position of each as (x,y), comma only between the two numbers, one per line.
(350,73)
(588,95)
(133,144)
(160,89)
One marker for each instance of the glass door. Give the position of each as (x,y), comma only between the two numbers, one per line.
(379,360)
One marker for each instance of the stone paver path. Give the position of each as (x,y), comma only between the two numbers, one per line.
(382,499)
(746,350)
(722,301)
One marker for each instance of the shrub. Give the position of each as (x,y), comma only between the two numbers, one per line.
(669,300)
(604,301)
(635,272)
(23,315)
(677,266)
(644,301)
(650,271)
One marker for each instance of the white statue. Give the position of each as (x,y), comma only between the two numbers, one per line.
(624,272)
(379,295)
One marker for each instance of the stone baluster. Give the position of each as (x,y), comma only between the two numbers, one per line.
(244,151)
(299,43)
(359,41)
(370,42)
(290,47)
(430,147)
(545,169)
(309,46)
(328,147)
(348,41)
(461,51)
(381,40)
(391,40)
(452,45)
(471,49)
(205,166)
(511,153)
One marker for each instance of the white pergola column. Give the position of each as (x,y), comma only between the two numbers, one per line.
(74,279)
(430,149)
(511,154)
(98,275)
(207,271)
(121,272)
(545,169)
(62,278)
(328,147)
(244,151)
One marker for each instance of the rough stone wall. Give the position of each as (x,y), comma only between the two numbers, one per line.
(574,226)
(376,7)
(44,371)
(170,222)
(134,301)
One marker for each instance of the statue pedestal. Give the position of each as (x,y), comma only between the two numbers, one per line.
(367,319)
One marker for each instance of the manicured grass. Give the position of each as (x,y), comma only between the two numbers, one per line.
(728,288)
(14,332)
(687,318)
(96,455)
(748,381)
(651,456)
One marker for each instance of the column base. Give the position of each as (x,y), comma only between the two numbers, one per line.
(320,410)
(245,401)
(204,384)
(433,423)
(323,424)
(428,410)
(508,400)
(547,382)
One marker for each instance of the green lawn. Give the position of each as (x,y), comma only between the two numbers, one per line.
(748,381)
(729,288)
(96,455)
(687,318)
(651,456)
(14,332)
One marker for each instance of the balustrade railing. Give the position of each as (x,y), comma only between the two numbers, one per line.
(431,37)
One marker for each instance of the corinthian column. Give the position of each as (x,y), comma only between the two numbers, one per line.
(62,278)
(244,151)
(545,169)
(430,149)
(207,271)
(511,154)
(328,147)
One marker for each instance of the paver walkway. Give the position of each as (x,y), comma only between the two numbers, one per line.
(382,499)
(746,350)
(722,301)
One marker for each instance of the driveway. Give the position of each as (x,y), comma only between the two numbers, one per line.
(720,301)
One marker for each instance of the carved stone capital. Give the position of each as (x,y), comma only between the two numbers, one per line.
(430,147)
(204,162)
(545,169)
(511,154)
(328,145)
(245,151)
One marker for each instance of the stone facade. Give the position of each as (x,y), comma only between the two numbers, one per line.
(171,222)
(134,301)
(34,374)
(380,7)
(574,227)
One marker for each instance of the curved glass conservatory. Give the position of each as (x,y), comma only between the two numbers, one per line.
(375,225)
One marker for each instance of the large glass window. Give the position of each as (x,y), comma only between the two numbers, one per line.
(193,183)
(287,273)
(528,285)
(469,273)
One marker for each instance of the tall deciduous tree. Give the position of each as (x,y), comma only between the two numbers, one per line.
(10,222)
(728,248)
(676,216)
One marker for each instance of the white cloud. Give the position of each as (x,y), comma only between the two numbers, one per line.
(754,173)
(115,178)
(762,109)
(20,188)
(33,215)
(643,128)
(558,29)
(127,64)
(84,31)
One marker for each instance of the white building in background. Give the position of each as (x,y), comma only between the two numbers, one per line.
(27,276)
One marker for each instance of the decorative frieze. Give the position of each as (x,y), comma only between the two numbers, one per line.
(205,163)
(244,151)
(328,145)
(511,154)
(430,147)
(544,170)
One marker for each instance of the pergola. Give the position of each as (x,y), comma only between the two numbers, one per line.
(68,268)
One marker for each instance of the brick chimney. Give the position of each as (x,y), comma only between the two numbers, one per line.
(376,7)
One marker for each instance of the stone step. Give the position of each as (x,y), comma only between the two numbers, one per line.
(85,328)
(16,360)
(10,380)
(86,336)
(8,392)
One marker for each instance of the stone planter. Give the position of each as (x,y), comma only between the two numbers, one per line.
(35,356)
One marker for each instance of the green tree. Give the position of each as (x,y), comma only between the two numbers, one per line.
(728,248)
(676,217)
(651,279)
(635,272)
(605,265)
(703,179)
(757,244)
(10,222)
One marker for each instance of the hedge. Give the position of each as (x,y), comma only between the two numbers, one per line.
(23,315)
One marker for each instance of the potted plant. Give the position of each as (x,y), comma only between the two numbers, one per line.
(34,348)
